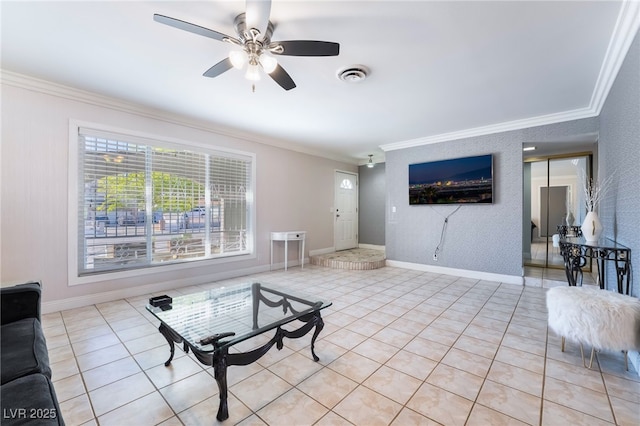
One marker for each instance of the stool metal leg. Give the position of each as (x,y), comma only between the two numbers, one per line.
(593,352)
(582,354)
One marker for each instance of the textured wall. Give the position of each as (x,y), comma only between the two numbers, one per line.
(371,200)
(486,238)
(475,235)
(619,154)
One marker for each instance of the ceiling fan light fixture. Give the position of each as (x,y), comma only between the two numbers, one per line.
(238,58)
(268,62)
(253,72)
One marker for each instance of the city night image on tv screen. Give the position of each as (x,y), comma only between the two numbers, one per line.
(455,181)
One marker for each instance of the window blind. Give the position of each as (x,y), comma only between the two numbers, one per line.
(145,202)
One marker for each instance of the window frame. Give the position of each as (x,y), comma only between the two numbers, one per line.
(73,203)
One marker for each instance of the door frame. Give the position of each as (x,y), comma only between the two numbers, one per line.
(335,205)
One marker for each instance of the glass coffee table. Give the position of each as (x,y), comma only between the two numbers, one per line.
(210,322)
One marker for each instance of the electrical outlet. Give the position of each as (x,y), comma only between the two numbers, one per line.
(435,257)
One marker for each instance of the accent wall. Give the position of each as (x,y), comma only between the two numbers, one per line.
(479,238)
(619,154)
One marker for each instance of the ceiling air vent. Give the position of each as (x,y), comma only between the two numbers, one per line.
(353,74)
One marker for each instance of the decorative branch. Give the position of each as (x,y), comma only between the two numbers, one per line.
(594,191)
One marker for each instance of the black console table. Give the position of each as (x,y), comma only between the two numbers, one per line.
(576,251)
(569,231)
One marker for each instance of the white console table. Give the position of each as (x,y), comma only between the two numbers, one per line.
(287,236)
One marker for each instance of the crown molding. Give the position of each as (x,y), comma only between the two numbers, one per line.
(34,84)
(493,128)
(627,26)
(624,32)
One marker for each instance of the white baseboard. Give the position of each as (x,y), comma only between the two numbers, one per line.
(109,296)
(290,264)
(507,279)
(371,247)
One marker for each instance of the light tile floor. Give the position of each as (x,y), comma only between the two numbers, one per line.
(399,347)
(539,253)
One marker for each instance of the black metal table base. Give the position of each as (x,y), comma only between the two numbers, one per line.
(219,358)
(576,257)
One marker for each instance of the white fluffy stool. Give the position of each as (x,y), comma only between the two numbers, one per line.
(603,319)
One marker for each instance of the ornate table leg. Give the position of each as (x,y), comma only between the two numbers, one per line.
(574,261)
(566,251)
(623,272)
(171,337)
(317,319)
(255,298)
(602,269)
(220,374)
(312,320)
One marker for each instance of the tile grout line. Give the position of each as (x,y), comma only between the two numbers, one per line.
(75,359)
(356,286)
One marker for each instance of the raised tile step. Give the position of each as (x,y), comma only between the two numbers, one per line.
(356,259)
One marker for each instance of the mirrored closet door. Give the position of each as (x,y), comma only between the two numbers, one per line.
(553,198)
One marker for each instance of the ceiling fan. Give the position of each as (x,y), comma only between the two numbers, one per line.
(254,31)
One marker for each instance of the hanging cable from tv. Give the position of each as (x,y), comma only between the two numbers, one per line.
(443,233)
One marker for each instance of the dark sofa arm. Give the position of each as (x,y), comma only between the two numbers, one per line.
(20,301)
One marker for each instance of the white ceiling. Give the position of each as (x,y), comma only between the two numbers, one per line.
(436,67)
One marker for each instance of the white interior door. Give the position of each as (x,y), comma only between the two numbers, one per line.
(553,205)
(346,211)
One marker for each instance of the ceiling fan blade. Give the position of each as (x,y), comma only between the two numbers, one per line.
(280,76)
(305,48)
(192,28)
(222,66)
(257,14)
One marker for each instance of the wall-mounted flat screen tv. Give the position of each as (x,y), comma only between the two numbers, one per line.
(456,181)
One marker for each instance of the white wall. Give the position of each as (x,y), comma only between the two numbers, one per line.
(294,191)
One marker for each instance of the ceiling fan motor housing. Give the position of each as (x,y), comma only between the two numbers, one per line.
(240,24)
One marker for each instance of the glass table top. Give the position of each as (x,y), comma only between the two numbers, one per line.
(603,242)
(231,310)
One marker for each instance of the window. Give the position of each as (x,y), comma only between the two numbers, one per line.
(346,184)
(144,202)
